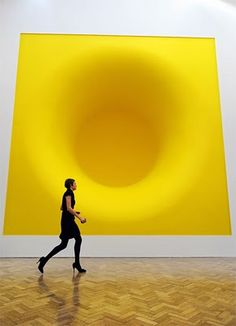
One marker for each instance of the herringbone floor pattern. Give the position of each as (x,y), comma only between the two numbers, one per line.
(119,291)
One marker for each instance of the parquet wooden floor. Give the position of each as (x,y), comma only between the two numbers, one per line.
(119,291)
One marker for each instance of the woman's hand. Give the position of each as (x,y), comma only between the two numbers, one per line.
(83,220)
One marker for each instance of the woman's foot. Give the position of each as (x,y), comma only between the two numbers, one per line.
(79,268)
(42,261)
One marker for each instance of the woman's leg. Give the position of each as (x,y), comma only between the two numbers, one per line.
(43,260)
(57,249)
(78,241)
(76,264)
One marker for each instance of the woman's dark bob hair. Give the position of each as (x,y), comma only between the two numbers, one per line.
(69,183)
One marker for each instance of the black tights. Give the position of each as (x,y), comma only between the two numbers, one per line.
(63,245)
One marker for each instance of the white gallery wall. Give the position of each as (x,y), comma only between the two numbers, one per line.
(196,18)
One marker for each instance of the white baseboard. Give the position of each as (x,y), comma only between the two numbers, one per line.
(122,246)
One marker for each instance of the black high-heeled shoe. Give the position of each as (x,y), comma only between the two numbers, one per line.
(79,268)
(42,262)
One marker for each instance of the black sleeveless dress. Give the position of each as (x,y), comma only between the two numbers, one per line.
(69,229)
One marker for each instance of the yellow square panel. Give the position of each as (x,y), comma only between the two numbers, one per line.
(134,120)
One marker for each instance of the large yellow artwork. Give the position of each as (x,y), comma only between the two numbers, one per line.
(135,120)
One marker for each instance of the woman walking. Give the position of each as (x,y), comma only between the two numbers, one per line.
(69,228)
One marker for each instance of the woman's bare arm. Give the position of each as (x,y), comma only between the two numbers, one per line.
(72,211)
